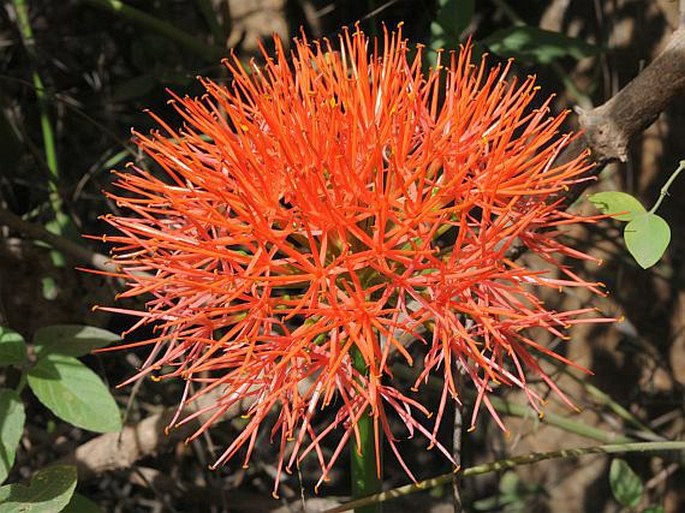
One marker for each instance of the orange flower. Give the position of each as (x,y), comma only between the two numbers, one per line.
(331,206)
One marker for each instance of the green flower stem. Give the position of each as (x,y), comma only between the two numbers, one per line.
(365,476)
(508,463)
(26,32)
(667,185)
(208,52)
(560,421)
(606,400)
(523,410)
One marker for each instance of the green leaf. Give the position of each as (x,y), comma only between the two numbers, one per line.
(74,393)
(509,483)
(81,504)
(625,484)
(654,509)
(647,237)
(71,339)
(614,202)
(48,283)
(48,492)
(452,18)
(532,43)
(134,88)
(12,418)
(12,347)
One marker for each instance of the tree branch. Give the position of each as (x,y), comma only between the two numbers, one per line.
(610,127)
(58,242)
(113,451)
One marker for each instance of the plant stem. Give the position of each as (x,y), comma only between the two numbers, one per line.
(366,479)
(523,410)
(58,242)
(457,436)
(26,32)
(667,185)
(508,463)
(208,52)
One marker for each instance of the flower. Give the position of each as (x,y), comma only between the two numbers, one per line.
(331,212)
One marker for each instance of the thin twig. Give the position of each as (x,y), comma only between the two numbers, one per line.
(113,451)
(457,436)
(63,244)
(508,463)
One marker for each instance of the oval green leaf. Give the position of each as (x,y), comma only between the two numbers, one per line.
(647,237)
(48,492)
(12,347)
(71,339)
(532,43)
(12,418)
(451,18)
(74,393)
(81,504)
(625,484)
(620,205)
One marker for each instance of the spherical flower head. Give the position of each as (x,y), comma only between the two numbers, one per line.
(338,209)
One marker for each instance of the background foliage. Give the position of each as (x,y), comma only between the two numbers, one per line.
(75,76)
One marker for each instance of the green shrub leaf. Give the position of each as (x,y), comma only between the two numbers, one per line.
(71,339)
(615,202)
(647,237)
(654,509)
(81,504)
(452,18)
(12,347)
(74,393)
(625,484)
(48,492)
(532,43)
(12,418)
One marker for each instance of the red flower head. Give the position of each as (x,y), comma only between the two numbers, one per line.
(324,212)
